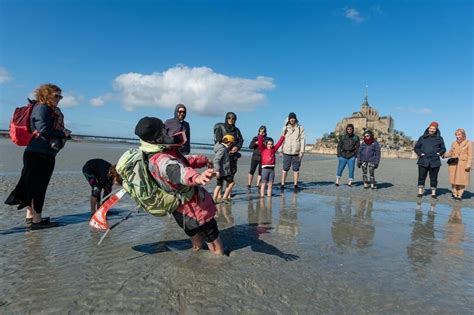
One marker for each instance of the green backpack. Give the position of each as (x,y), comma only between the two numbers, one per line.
(141,185)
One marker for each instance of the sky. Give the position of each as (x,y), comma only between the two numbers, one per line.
(117,61)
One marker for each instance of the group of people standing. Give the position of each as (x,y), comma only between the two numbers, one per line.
(47,123)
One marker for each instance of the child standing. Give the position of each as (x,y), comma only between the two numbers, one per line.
(368,158)
(223,169)
(267,150)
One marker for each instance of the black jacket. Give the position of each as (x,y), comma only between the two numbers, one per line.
(229,129)
(429,148)
(347,146)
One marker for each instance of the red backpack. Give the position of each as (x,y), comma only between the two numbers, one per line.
(20,129)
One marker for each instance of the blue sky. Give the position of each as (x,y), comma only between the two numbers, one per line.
(118,61)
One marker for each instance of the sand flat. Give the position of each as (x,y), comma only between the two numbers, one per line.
(322,250)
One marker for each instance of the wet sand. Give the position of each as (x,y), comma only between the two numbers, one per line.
(322,250)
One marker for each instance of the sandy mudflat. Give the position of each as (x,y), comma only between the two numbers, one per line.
(322,250)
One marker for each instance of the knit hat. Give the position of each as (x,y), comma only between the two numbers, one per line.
(434,124)
(149,129)
(291,115)
(228,138)
(369,132)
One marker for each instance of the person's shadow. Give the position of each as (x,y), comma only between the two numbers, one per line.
(234,238)
(67,219)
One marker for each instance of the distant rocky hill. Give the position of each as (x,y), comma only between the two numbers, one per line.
(394,143)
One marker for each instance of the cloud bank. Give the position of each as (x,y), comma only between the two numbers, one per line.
(70,100)
(4,75)
(353,15)
(201,89)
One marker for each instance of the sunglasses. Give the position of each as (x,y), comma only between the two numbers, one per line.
(181,112)
(58,96)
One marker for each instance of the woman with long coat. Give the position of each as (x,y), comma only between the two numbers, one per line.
(429,148)
(460,169)
(39,157)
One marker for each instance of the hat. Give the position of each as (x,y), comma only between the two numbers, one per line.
(228,138)
(291,115)
(149,128)
(434,124)
(368,132)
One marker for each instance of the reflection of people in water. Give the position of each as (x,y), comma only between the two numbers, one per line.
(362,225)
(260,215)
(224,214)
(288,223)
(360,228)
(341,225)
(454,233)
(421,249)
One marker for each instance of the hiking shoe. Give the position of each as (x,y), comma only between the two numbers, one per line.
(12,201)
(29,221)
(42,225)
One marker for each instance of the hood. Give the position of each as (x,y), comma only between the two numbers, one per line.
(177,108)
(217,147)
(426,133)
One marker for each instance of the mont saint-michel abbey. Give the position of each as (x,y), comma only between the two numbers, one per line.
(393,143)
(367,118)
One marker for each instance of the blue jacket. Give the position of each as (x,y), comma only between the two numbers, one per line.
(42,120)
(173,125)
(429,148)
(369,153)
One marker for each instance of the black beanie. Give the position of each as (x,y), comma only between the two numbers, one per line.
(149,129)
(291,115)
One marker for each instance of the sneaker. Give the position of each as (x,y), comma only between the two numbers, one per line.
(434,196)
(42,225)
(373,186)
(29,221)
(349,184)
(366,186)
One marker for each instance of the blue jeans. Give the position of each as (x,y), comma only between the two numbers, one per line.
(342,165)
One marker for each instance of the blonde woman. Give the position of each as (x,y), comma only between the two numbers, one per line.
(39,157)
(459,163)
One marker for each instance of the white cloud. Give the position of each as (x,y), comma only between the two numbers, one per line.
(201,89)
(70,100)
(421,111)
(101,100)
(353,15)
(424,110)
(4,75)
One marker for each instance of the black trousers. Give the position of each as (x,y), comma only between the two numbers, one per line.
(424,171)
(34,180)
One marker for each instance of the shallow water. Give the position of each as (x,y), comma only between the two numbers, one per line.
(292,253)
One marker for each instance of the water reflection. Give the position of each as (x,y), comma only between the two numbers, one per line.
(421,249)
(357,230)
(260,214)
(454,233)
(288,222)
(224,215)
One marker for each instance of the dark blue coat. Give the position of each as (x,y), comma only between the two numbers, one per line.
(429,148)
(42,121)
(369,153)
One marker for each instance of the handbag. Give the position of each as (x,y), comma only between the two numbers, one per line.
(452,161)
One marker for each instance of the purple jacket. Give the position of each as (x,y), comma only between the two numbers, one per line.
(173,125)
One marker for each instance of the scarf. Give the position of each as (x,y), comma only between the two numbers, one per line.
(368,141)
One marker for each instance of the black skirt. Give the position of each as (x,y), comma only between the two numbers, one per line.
(34,180)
